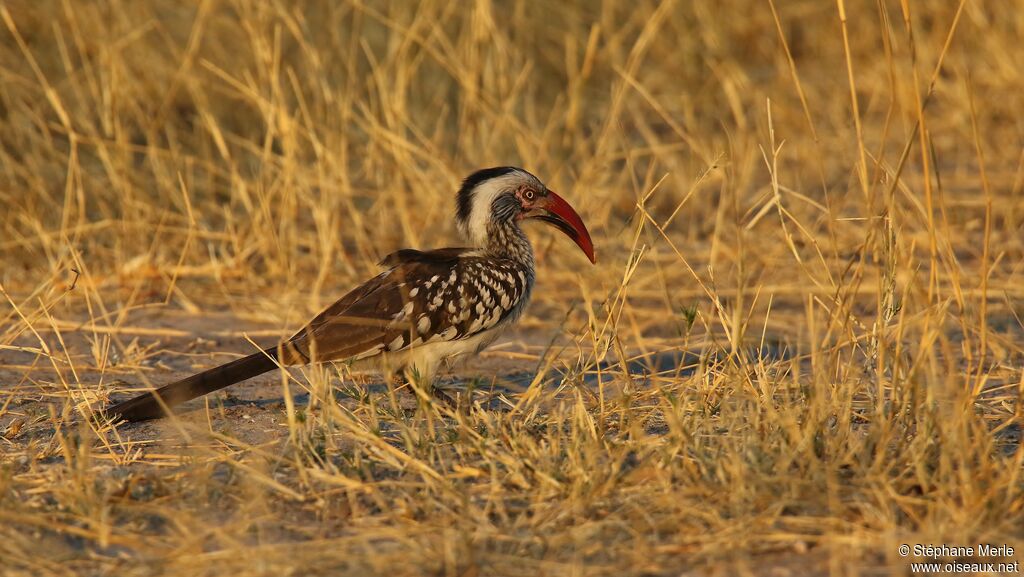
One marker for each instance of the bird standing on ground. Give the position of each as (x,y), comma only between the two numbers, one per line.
(427,307)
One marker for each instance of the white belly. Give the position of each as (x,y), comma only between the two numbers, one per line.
(425,360)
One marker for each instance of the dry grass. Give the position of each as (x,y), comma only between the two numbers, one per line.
(808,218)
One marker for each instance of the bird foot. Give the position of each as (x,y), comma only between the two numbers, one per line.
(452,402)
(433,393)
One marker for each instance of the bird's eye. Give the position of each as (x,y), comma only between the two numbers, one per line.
(528,194)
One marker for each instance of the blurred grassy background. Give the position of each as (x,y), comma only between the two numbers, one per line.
(839,182)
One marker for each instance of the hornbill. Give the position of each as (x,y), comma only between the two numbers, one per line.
(427,307)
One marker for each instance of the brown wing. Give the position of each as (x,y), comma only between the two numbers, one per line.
(370,318)
(423,296)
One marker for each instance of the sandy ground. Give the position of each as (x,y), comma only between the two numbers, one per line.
(182,465)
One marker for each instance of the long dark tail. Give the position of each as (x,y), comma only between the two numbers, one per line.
(146,406)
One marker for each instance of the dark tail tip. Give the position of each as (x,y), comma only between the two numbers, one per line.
(144,407)
(157,404)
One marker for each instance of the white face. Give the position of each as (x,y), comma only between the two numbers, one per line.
(474,228)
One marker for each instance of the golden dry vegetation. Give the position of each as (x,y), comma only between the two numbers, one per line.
(800,348)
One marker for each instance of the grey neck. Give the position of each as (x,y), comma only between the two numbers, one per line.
(507,240)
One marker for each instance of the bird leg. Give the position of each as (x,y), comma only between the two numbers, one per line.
(426,389)
(439,393)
